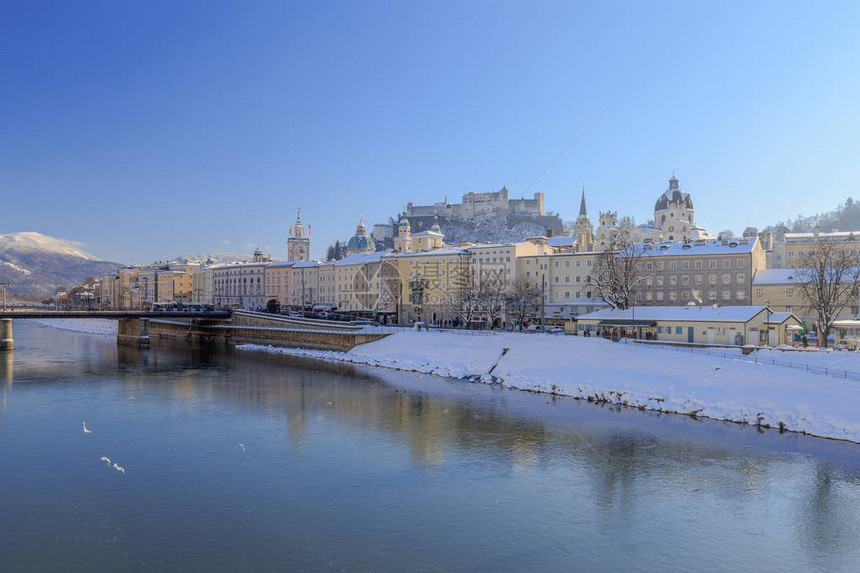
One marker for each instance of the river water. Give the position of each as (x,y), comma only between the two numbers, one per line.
(344,468)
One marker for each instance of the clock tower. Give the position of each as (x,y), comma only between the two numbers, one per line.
(299,242)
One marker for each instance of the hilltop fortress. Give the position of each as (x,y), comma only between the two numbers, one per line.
(479,216)
(475,204)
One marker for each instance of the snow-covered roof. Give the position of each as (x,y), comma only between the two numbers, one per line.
(362,258)
(815,237)
(280,264)
(679,313)
(701,247)
(430,233)
(780,317)
(435,252)
(305,264)
(560,241)
(775,277)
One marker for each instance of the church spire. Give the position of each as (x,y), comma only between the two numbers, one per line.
(583,212)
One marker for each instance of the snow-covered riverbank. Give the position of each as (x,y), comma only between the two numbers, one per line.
(648,378)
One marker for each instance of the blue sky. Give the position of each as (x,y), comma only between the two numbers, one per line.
(133,127)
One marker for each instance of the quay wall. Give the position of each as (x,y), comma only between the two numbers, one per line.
(232,334)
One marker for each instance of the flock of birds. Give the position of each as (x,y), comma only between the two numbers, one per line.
(119,468)
(106,459)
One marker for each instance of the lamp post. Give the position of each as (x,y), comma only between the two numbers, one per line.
(4,286)
(767,324)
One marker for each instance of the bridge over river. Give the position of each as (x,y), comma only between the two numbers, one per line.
(133,324)
(134,327)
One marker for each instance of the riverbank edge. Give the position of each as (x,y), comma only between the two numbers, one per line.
(587,393)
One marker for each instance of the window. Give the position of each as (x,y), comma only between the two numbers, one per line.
(679,330)
(660,295)
(649,266)
(685,280)
(673,295)
(698,265)
(740,295)
(727,278)
(727,264)
(556,264)
(698,280)
(659,281)
(556,279)
(673,280)
(712,279)
(759,293)
(685,265)
(648,295)
(740,278)
(578,278)
(578,263)
(567,279)
(566,263)
(789,292)
(790,255)
(659,265)
(673,265)
(741,263)
(727,295)
(712,264)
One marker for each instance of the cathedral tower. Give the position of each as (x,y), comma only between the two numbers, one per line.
(299,242)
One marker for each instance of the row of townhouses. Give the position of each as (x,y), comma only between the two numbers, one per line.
(422,278)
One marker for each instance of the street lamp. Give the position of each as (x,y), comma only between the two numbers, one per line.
(767,324)
(4,286)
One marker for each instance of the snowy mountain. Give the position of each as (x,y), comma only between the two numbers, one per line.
(35,264)
(37,242)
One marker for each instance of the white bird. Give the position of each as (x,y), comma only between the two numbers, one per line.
(241,446)
(85,428)
(105,459)
(119,468)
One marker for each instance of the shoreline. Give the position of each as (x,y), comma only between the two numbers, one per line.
(643,378)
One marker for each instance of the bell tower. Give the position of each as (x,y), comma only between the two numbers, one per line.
(299,241)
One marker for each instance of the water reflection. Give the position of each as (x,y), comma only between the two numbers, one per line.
(382,470)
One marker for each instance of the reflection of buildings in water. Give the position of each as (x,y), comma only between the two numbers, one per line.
(524,452)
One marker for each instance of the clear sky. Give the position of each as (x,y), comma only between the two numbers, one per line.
(133,127)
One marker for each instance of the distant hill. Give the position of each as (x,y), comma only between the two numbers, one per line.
(217,257)
(846,217)
(35,264)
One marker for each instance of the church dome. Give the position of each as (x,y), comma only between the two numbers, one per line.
(361,241)
(673,195)
(404,223)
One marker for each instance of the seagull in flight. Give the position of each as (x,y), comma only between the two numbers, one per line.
(105,459)
(85,428)
(240,446)
(119,468)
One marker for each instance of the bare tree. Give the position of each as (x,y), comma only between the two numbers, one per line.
(619,271)
(492,295)
(829,278)
(522,301)
(467,300)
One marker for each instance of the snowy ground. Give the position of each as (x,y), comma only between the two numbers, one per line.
(731,388)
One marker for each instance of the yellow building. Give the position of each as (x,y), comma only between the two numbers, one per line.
(277,281)
(359,284)
(425,284)
(566,282)
(795,248)
(174,286)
